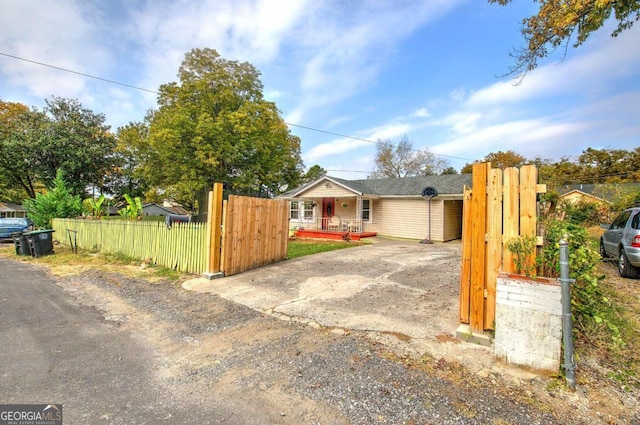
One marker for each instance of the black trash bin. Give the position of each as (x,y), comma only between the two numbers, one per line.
(40,242)
(21,243)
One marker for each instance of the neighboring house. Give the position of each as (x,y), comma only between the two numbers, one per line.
(164,209)
(8,209)
(391,207)
(596,193)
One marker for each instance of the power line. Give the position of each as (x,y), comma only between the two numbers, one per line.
(59,68)
(367,140)
(350,171)
(78,73)
(332,133)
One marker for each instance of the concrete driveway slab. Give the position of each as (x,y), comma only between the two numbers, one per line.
(401,293)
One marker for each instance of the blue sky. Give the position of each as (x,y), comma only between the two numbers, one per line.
(425,69)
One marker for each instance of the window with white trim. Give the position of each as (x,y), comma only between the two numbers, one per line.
(308,210)
(366,209)
(295,212)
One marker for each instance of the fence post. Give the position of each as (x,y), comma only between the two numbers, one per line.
(214,219)
(567,324)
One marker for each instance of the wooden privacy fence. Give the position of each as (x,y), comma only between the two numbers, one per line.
(183,247)
(246,233)
(501,206)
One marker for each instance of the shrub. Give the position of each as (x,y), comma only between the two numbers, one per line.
(55,203)
(591,308)
(522,249)
(584,212)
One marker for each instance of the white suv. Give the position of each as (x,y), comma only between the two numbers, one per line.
(622,240)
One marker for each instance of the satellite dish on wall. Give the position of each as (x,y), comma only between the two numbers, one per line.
(429,192)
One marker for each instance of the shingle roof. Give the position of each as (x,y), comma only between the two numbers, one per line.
(9,207)
(447,184)
(606,191)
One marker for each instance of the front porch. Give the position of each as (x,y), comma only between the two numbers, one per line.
(330,218)
(333,228)
(332,234)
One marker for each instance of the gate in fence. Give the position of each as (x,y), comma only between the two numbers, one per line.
(501,206)
(245,233)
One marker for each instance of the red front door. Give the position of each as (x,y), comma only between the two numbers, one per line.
(328,210)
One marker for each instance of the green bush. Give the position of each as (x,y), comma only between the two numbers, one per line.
(522,249)
(591,308)
(55,203)
(587,213)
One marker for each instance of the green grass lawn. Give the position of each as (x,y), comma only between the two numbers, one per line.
(302,247)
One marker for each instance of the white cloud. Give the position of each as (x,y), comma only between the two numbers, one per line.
(345,145)
(273,95)
(335,147)
(351,48)
(531,138)
(421,113)
(61,34)
(244,31)
(337,120)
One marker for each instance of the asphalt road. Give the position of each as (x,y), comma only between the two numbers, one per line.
(54,351)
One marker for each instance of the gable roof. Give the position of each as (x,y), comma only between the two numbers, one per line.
(9,207)
(603,191)
(169,210)
(447,184)
(583,195)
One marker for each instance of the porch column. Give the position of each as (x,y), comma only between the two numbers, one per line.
(359,213)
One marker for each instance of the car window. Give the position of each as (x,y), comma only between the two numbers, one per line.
(635,221)
(621,220)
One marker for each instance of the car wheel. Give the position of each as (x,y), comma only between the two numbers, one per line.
(603,253)
(624,268)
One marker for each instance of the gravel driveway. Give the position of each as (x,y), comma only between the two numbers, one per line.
(290,372)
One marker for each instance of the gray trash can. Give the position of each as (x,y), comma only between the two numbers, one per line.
(40,242)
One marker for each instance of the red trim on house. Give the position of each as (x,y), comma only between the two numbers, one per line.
(324,234)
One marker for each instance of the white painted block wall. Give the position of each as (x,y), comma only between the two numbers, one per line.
(528,327)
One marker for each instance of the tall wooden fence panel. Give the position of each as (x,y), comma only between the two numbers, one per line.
(255,233)
(182,247)
(501,205)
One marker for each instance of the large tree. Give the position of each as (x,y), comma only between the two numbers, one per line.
(214,125)
(130,153)
(609,165)
(78,142)
(34,145)
(21,133)
(313,174)
(401,160)
(591,166)
(500,159)
(557,21)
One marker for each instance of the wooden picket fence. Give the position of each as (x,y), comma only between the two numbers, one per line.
(501,206)
(241,233)
(183,247)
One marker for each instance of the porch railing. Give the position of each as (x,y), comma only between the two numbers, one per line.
(335,224)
